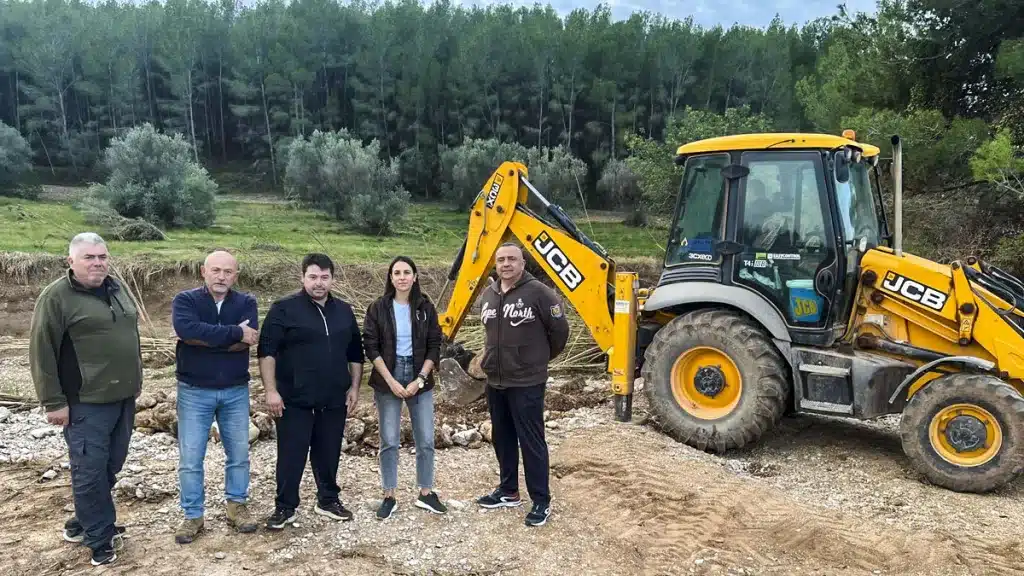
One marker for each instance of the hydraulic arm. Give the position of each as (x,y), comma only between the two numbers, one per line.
(579,268)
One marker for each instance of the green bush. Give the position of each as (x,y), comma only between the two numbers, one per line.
(621,187)
(558,175)
(998,162)
(336,173)
(466,168)
(15,162)
(554,172)
(152,177)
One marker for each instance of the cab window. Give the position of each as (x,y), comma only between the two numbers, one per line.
(700,216)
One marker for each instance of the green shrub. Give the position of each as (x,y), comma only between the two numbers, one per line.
(336,173)
(554,172)
(15,162)
(466,168)
(558,175)
(621,187)
(152,177)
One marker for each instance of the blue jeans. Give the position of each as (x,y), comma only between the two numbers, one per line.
(197,407)
(389,416)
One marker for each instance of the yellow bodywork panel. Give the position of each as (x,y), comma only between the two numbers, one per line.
(581,275)
(774,141)
(621,362)
(499,215)
(920,303)
(488,225)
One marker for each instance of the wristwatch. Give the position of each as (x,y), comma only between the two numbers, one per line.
(422,379)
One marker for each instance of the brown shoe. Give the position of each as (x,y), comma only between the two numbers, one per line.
(188,530)
(238,514)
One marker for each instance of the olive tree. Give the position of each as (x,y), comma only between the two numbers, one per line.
(153,177)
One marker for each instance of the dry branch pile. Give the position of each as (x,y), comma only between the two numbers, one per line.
(358,285)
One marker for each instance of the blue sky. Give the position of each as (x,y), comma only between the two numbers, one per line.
(711,12)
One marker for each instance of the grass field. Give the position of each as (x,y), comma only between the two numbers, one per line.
(255,227)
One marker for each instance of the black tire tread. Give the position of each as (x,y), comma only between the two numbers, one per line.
(985,388)
(769,385)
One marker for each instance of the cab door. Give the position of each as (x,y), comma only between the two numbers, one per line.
(787,243)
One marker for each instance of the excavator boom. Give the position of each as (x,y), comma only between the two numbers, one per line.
(578,267)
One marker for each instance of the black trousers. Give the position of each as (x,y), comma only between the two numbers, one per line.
(517,422)
(318,434)
(97,436)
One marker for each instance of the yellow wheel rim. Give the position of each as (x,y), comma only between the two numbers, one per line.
(706,383)
(965,435)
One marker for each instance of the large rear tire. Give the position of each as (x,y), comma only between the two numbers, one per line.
(714,380)
(965,432)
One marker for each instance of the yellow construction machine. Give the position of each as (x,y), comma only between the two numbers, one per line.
(782,290)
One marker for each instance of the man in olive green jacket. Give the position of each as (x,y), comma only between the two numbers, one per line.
(86,365)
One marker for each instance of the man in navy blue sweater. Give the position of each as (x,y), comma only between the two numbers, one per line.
(215,325)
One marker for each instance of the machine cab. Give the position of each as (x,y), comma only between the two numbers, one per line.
(781,216)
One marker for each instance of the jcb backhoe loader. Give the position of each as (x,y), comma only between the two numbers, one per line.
(783,289)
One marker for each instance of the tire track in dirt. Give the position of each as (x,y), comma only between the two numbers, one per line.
(683,513)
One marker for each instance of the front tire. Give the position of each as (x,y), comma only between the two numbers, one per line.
(714,380)
(964,432)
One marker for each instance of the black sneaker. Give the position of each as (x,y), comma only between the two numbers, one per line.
(75,533)
(538,515)
(103,555)
(387,507)
(431,502)
(279,518)
(497,499)
(333,510)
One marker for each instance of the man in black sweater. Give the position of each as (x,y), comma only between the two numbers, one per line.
(525,329)
(311,362)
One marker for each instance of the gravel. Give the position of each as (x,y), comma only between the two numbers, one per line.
(25,436)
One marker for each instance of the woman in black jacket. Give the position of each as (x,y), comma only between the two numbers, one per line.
(402,338)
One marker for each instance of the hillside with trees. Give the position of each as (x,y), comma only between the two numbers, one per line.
(436,90)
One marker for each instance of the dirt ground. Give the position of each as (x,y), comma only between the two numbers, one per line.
(816,496)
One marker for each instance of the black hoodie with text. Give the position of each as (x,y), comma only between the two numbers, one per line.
(525,329)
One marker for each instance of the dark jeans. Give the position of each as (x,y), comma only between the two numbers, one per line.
(318,434)
(97,436)
(517,421)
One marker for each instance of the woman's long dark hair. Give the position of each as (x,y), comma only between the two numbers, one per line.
(415,294)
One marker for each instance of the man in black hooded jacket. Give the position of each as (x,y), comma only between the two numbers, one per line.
(525,329)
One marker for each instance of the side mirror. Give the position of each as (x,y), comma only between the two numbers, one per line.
(842,166)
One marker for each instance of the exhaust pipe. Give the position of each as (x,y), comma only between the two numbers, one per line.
(897,179)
